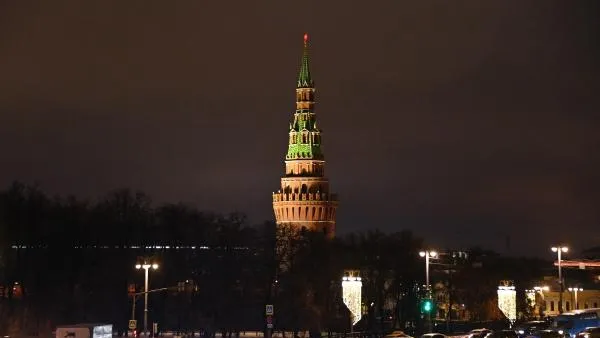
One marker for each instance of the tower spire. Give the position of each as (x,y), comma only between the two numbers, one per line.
(304,79)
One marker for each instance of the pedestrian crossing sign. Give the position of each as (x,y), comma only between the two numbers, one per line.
(269,310)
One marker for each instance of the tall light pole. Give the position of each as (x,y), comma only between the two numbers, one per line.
(559,250)
(146,267)
(428,307)
(575,290)
(427,255)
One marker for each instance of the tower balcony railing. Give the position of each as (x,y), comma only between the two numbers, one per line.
(311,196)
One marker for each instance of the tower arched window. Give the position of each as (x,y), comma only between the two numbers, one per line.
(304,189)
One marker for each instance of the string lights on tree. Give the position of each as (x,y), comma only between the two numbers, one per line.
(507,301)
(352,296)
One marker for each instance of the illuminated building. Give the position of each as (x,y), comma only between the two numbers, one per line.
(304,200)
(586,299)
(352,294)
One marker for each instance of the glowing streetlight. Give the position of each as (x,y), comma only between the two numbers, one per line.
(146,267)
(427,304)
(559,249)
(427,255)
(575,291)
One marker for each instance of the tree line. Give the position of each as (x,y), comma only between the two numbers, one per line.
(67,260)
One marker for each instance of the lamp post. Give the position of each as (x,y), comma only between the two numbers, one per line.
(146,268)
(428,254)
(575,291)
(559,250)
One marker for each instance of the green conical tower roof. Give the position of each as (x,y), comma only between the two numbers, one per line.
(305,137)
(304,79)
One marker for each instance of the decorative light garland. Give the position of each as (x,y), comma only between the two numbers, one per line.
(507,302)
(352,296)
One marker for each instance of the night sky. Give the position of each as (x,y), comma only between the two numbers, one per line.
(464,121)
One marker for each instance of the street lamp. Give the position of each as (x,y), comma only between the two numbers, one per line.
(559,250)
(575,291)
(146,267)
(427,305)
(427,255)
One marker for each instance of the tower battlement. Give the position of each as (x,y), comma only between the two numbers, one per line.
(286,197)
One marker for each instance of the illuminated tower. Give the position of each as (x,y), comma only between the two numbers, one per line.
(304,200)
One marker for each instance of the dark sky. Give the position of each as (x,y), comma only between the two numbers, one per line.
(465,121)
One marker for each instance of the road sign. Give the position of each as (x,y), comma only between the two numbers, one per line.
(269,326)
(269,320)
(269,310)
(132,324)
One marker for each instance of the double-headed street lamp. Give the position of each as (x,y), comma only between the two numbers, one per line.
(427,254)
(146,267)
(427,305)
(559,250)
(575,291)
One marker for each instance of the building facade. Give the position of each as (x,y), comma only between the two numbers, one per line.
(572,300)
(304,199)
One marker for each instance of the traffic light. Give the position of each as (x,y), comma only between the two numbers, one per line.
(427,305)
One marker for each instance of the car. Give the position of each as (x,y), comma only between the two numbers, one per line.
(547,334)
(433,335)
(397,334)
(502,334)
(478,333)
(529,328)
(589,332)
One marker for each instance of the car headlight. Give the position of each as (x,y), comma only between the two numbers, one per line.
(521,332)
(561,332)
